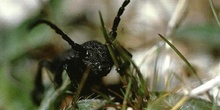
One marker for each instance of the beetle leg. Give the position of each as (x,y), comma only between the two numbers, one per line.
(38,85)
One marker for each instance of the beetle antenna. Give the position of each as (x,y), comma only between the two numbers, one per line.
(117,19)
(74,45)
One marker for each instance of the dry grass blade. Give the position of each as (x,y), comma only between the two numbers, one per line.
(180,103)
(214,12)
(178,15)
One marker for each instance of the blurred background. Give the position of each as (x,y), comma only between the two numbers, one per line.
(196,35)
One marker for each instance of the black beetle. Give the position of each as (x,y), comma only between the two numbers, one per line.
(77,59)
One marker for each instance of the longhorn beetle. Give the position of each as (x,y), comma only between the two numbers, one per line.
(77,59)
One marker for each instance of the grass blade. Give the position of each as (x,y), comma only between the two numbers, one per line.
(214,12)
(182,57)
(186,61)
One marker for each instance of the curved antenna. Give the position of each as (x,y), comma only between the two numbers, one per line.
(117,19)
(74,45)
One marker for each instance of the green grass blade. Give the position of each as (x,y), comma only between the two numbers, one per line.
(103,28)
(126,96)
(186,61)
(182,57)
(108,41)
